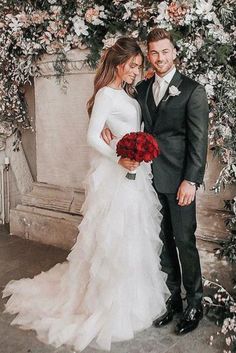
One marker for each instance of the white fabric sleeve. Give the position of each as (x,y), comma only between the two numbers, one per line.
(101,112)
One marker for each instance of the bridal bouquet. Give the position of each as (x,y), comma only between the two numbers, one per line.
(138,146)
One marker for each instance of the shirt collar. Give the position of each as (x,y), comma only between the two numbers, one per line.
(167,78)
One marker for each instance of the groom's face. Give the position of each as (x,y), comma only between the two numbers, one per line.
(161,55)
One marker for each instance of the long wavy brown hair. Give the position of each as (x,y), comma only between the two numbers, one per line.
(124,49)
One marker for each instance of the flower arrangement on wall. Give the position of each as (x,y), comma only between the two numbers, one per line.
(204,32)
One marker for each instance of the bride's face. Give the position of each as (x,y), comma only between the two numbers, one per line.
(128,71)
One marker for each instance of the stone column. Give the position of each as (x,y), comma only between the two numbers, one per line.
(61,122)
(50,213)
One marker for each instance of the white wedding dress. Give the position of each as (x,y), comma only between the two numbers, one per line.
(111,285)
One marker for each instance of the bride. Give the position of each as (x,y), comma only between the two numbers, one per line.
(111,285)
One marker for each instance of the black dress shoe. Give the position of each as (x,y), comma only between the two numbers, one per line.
(190,320)
(173,306)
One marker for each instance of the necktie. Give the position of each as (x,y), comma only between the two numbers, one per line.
(159,90)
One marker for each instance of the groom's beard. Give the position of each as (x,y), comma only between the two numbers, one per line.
(162,68)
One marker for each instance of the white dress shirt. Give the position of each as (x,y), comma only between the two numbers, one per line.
(161,84)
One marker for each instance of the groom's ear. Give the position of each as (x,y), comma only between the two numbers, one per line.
(174,54)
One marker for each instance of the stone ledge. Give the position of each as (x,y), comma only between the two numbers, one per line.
(211,223)
(55,198)
(45,226)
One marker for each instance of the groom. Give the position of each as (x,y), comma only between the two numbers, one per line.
(175,111)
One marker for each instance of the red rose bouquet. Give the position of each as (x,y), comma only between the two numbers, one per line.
(138,146)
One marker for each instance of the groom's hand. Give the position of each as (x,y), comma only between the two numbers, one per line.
(107,135)
(186,193)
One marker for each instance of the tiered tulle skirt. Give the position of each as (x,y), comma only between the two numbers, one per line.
(111,285)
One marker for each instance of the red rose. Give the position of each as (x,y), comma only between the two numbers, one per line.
(139,146)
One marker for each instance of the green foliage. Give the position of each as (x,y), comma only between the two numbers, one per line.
(228,246)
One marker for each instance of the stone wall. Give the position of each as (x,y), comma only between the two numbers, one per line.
(61,123)
(210,206)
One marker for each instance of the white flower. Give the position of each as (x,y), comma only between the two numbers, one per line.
(52,1)
(102,13)
(225,131)
(173,91)
(202,79)
(215,18)
(97,22)
(203,7)
(76,42)
(22,18)
(135,34)
(79,26)
(211,75)
(199,42)
(94,14)
(188,19)
(109,42)
(67,47)
(56,9)
(37,46)
(52,27)
(45,38)
(15,25)
(130,5)
(209,90)
(218,33)
(163,13)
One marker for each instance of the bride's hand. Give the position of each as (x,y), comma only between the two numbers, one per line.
(128,164)
(107,135)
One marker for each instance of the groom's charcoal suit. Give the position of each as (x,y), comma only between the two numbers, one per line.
(180,125)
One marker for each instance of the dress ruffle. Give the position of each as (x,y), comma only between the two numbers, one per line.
(111,285)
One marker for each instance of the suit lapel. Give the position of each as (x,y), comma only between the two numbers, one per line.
(148,115)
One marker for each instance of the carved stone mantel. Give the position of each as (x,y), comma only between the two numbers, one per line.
(76,63)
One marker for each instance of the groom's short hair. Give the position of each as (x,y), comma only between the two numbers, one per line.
(157,34)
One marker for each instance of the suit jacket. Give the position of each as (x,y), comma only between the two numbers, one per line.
(180,125)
